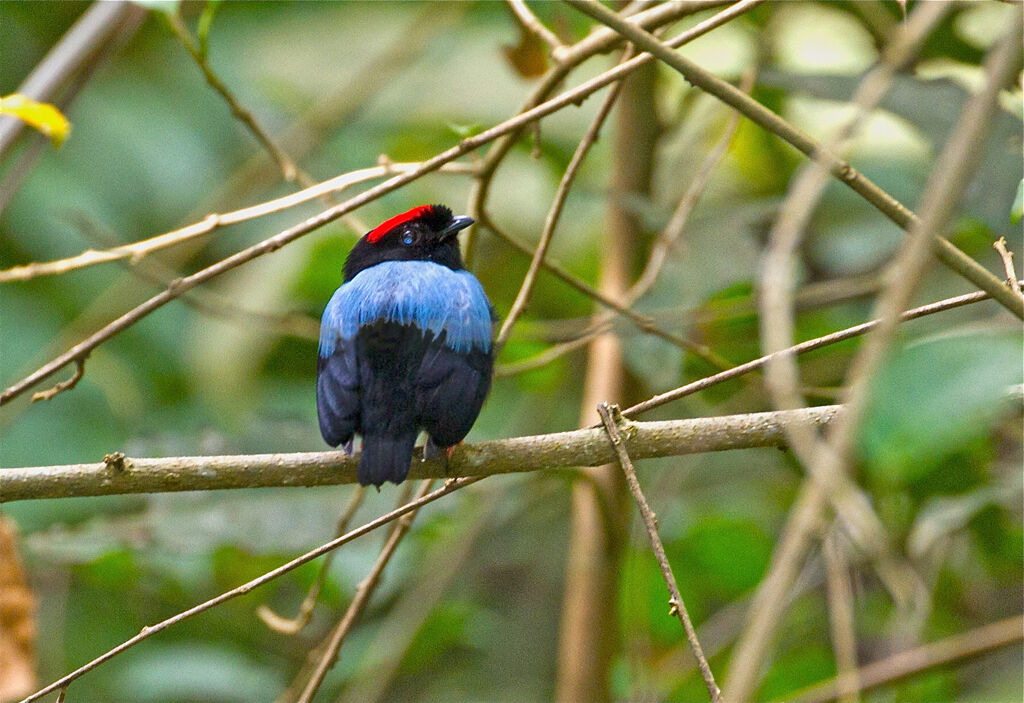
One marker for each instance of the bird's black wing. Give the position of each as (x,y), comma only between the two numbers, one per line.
(337,393)
(450,390)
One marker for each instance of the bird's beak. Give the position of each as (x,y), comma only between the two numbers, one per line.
(458,223)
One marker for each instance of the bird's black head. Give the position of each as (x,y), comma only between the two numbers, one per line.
(425,233)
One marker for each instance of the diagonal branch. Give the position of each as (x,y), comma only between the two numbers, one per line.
(533,24)
(136,251)
(366,588)
(642,322)
(151,630)
(555,211)
(601,39)
(289,170)
(676,605)
(655,260)
(762,116)
(912,661)
(801,348)
(292,626)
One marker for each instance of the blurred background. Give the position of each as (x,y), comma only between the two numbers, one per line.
(470,607)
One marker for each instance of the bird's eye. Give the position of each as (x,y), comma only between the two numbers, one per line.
(407,239)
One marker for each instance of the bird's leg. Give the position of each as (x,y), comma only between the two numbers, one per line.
(348,447)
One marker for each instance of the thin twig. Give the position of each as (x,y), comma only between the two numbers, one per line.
(555,211)
(292,626)
(659,250)
(840,609)
(801,348)
(289,170)
(534,25)
(445,559)
(913,661)
(366,588)
(677,223)
(63,385)
(1007,257)
(676,605)
(642,322)
(136,251)
(758,113)
(599,40)
(149,631)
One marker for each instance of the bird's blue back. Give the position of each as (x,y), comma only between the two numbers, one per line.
(430,296)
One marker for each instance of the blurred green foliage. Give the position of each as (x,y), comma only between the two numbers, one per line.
(153,148)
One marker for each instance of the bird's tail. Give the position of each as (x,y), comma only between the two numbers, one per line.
(385,458)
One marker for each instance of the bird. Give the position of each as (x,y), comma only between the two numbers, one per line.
(406,345)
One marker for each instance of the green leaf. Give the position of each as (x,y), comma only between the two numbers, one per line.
(1017,211)
(935,395)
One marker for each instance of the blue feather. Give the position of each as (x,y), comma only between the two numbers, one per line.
(430,296)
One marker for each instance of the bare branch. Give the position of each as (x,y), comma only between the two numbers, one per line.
(840,609)
(885,203)
(912,661)
(599,40)
(151,630)
(291,626)
(555,211)
(366,588)
(534,25)
(63,385)
(676,605)
(289,170)
(136,251)
(585,447)
(801,348)
(1007,257)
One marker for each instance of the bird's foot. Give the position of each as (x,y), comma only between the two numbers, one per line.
(348,447)
(430,450)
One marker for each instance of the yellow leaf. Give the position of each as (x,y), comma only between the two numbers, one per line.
(43,116)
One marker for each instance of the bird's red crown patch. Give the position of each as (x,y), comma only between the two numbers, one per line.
(384,227)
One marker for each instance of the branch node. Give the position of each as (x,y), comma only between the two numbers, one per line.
(63,385)
(115,461)
(1007,256)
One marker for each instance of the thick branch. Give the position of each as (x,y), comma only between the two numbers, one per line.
(587,447)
